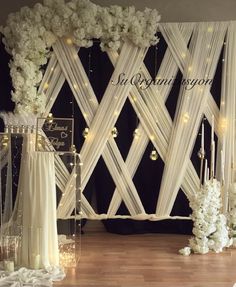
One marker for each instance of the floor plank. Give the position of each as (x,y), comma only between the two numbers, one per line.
(149,260)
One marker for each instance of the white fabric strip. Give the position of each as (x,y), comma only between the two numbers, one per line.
(227,119)
(191,104)
(110,107)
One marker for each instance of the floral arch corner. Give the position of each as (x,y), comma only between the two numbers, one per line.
(30,33)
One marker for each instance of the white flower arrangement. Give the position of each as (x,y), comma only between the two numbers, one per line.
(232,212)
(209,224)
(31,32)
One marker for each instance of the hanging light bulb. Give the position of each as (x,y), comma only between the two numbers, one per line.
(201,153)
(153,155)
(50,118)
(73,148)
(136,134)
(114,132)
(85,132)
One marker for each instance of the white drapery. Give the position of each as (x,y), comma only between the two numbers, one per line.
(204,51)
(226,149)
(155,123)
(177,60)
(37,196)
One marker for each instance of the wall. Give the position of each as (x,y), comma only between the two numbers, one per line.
(171,10)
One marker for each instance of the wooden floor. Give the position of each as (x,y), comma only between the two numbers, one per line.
(147,261)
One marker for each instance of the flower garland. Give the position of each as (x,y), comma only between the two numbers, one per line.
(209,224)
(31,32)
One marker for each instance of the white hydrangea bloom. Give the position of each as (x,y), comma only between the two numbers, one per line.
(209,225)
(232,212)
(30,33)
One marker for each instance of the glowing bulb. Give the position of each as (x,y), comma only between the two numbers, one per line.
(46,85)
(190,68)
(114,132)
(153,155)
(209,29)
(85,132)
(223,124)
(186,117)
(183,55)
(73,148)
(136,134)
(69,41)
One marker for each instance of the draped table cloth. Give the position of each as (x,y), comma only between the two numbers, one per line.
(37,193)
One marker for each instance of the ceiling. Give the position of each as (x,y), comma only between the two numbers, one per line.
(171,10)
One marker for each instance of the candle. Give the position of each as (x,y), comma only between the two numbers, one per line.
(212,159)
(9,266)
(202,142)
(205,171)
(208,173)
(37,262)
(212,128)
(222,166)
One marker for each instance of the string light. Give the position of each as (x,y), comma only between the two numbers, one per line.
(5,141)
(210,29)
(114,132)
(223,124)
(69,41)
(186,117)
(136,133)
(73,149)
(50,118)
(85,132)
(153,155)
(46,85)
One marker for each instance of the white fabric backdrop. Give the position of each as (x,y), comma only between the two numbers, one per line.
(197,61)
